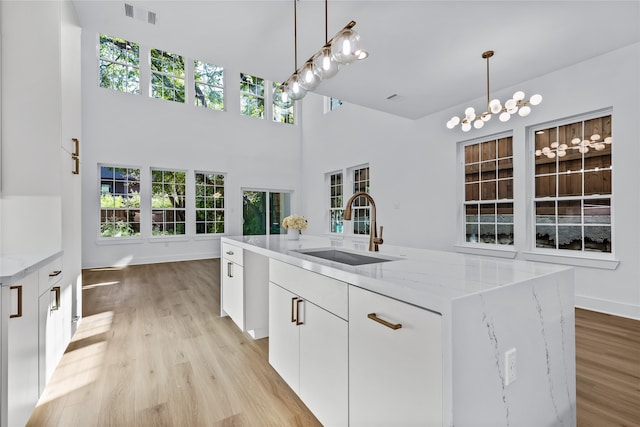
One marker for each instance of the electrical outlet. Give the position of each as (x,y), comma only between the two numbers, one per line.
(510,367)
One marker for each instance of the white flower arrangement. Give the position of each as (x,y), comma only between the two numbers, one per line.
(295,222)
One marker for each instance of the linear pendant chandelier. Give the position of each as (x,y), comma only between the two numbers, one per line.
(511,106)
(343,49)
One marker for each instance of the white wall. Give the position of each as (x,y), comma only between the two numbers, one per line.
(414,167)
(138,131)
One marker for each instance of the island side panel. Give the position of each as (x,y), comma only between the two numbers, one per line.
(536,318)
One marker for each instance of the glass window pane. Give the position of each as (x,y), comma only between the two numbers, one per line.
(488,151)
(570,212)
(488,213)
(487,171)
(472,233)
(471,213)
(597,182)
(570,237)
(546,186)
(505,212)
(505,189)
(597,211)
(545,212)
(569,184)
(505,147)
(472,192)
(505,234)
(545,236)
(505,168)
(472,153)
(488,190)
(487,233)
(472,172)
(597,238)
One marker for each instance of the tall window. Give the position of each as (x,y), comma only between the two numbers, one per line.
(209,203)
(488,200)
(119,64)
(209,84)
(282,115)
(119,201)
(251,96)
(167,76)
(335,202)
(361,208)
(573,195)
(168,210)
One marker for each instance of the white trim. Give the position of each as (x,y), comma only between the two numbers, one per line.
(605,263)
(494,250)
(608,307)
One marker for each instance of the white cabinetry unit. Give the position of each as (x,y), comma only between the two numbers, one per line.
(308,339)
(244,278)
(22,349)
(395,362)
(54,319)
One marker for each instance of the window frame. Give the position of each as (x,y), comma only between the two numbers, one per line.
(210,86)
(128,65)
(605,260)
(135,237)
(330,196)
(172,77)
(152,209)
(496,201)
(251,95)
(215,210)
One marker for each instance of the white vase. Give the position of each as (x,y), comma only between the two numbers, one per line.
(293,234)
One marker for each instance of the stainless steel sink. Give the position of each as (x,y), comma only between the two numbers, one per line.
(344,257)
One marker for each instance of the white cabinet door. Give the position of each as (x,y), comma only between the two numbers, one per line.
(395,375)
(233,291)
(324,361)
(22,351)
(284,335)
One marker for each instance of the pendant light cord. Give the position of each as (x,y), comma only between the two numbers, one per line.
(295,35)
(326,22)
(488,97)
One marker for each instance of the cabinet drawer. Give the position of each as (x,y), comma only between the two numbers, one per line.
(232,253)
(323,291)
(49,275)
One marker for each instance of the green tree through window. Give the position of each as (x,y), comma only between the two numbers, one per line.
(119,64)
(209,85)
(251,96)
(167,76)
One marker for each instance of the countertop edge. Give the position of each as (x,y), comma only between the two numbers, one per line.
(32,261)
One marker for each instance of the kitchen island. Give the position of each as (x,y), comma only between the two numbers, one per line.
(497,347)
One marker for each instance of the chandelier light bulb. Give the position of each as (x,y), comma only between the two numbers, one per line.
(575,141)
(326,66)
(563,147)
(486,116)
(546,150)
(554,144)
(538,152)
(595,137)
(518,96)
(536,99)
(608,140)
(504,116)
(296,91)
(495,106)
(451,124)
(562,153)
(524,111)
(584,149)
(310,78)
(281,97)
(551,155)
(600,147)
(510,104)
(478,124)
(466,127)
(346,46)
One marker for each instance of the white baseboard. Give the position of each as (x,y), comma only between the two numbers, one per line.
(153,260)
(609,307)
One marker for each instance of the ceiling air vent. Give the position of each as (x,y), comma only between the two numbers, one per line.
(140,14)
(394,97)
(128,10)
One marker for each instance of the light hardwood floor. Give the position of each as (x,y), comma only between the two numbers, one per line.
(152,350)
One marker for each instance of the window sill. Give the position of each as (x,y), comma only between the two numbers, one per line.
(500,252)
(601,262)
(208,236)
(156,239)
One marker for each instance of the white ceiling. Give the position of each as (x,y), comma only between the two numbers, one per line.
(427,52)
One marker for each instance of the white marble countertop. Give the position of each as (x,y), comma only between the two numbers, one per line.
(426,278)
(15,266)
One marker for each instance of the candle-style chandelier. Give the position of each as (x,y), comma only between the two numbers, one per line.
(343,49)
(516,104)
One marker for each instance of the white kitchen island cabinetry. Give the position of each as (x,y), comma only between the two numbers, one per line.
(244,290)
(461,317)
(308,341)
(395,362)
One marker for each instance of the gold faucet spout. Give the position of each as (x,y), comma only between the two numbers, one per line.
(374,240)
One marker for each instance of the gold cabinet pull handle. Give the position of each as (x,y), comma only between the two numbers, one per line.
(56,290)
(19,289)
(55,273)
(298,322)
(375,318)
(76,165)
(229,273)
(293,315)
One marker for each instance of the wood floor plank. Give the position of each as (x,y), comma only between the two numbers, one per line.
(152,350)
